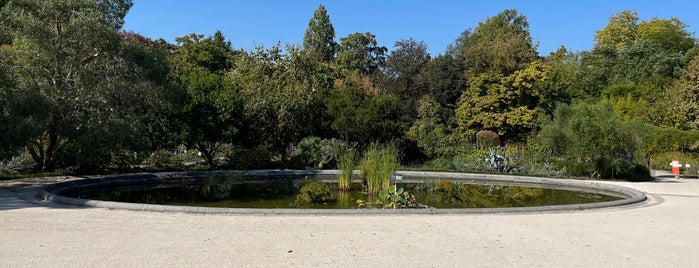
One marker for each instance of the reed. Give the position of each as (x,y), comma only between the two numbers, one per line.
(346,163)
(376,166)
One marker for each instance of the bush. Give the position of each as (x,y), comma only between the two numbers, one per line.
(249,158)
(487,139)
(20,164)
(317,153)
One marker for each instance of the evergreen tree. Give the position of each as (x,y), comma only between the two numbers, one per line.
(319,39)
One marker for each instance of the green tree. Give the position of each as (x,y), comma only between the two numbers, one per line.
(509,105)
(447,79)
(500,45)
(620,32)
(283,96)
(209,106)
(67,53)
(406,71)
(682,100)
(357,116)
(319,39)
(360,52)
(561,85)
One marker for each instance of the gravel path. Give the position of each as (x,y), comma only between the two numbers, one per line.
(662,232)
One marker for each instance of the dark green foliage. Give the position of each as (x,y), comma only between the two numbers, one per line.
(360,117)
(406,74)
(318,41)
(447,79)
(249,158)
(499,46)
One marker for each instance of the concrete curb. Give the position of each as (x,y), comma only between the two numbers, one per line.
(51,193)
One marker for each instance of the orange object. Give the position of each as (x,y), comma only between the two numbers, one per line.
(676,168)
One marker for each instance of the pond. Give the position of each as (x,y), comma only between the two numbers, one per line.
(237,192)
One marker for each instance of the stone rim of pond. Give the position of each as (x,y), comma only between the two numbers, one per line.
(52,193)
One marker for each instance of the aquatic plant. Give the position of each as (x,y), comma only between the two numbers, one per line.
(376,166)
(346,163)
(398,198)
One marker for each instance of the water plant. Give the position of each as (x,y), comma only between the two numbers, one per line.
(397,197)
(346,163)
(376,166)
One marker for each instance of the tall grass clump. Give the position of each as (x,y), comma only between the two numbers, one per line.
(378,163)
(346,163)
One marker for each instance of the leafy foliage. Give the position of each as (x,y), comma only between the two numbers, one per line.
(508,105)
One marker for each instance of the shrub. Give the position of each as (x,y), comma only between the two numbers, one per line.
(487,139)
(249,158)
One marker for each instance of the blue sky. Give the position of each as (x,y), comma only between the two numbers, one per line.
(437,23)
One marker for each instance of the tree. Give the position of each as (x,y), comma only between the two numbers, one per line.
(623,29)
(282,94)
(508,105)
(360,52)
(500,45)
(357,116)
(447,79)
(210,107)
(669,35)
(620,32)
(682,100)
(318,40)
(406,71)
(562,85)
(67,53)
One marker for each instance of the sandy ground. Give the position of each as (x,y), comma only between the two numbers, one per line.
(662,232)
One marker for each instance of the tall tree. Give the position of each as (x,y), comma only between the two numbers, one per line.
(210,107)
(319,39)
(67,53)
(620,32)
(282,96)
(500,45)
(447,79)
(360,52)
(406,71)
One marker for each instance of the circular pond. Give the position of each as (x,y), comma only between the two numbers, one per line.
(277,192)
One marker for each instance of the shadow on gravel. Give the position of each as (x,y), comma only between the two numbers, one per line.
(12,199)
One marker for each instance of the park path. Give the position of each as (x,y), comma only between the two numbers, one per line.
(662,232)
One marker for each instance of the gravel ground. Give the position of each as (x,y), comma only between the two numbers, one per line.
(662,232)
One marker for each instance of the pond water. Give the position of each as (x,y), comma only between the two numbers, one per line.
(282,193)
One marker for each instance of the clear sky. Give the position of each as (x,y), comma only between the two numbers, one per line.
(437,23)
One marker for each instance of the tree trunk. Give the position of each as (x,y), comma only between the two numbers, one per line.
(44,151)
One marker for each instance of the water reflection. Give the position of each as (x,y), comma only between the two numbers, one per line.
(282,193)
